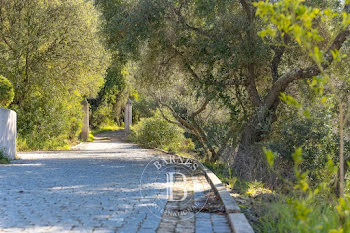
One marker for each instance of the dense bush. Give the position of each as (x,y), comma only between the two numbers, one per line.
(103,115)
(3,158)
(107,107)
(48,124)
(63,64)
(315,134)
(309,208)
(285,216)
(143,107)
(158,133)
(6,92)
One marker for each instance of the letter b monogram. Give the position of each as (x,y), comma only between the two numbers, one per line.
(170,185)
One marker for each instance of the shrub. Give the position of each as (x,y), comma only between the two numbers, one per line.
(48,123)
(3,158)
(314,134)
(304,216)
(143,107)
(308,209)
(6,92)
(103,115)
(156,132)
(106,127)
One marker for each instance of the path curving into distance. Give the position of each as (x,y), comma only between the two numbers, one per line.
(96,188)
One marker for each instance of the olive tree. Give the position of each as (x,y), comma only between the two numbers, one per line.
(52,53)
(228,50)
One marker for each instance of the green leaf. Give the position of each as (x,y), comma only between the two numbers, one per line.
(270,156)
(297,156)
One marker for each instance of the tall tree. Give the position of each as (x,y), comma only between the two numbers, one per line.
(53,55)
(217,47)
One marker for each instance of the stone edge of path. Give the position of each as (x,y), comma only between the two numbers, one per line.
(238,221)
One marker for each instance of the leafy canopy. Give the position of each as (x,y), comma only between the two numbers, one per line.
(6,92)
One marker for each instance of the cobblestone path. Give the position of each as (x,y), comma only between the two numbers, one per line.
(95,188)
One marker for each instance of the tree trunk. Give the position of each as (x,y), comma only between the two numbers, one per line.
(249,162)
(247,157)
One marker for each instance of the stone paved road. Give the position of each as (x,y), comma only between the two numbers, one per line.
(93,189)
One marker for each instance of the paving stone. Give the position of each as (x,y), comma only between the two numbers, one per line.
(93,189)
(220,223)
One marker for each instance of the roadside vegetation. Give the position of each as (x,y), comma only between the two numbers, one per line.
(105,128)
(54,57)
(6,92)
(3,158)
(156,132)
(261,88)
(257,90)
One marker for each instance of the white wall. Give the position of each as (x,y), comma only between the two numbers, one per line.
(8,132)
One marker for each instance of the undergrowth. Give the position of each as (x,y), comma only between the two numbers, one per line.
(28,144)
(105,128)
(307,208)
(3,158)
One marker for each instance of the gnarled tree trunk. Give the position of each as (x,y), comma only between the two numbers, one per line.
(248,160)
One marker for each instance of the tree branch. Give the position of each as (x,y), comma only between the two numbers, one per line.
(170,121)
(279,51)
(238,96)
(182,20)
(185,125)
(250,82)
(187,65)
(297,73)
(251,86)
(182,121)
(201,109)
(194,129)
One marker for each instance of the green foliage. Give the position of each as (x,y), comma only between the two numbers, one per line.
(311,216)
(106,128)
(6,92)
(107,107)
(314,134)
(156,132)
(48,123)
(3,158)
(103,115)
(143,107)
(52,53)
(212,49)
(91,137)
(193,51)
(270,156)
(222,171)
(311,208)
(255,188)
(293,18)
(184,55)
